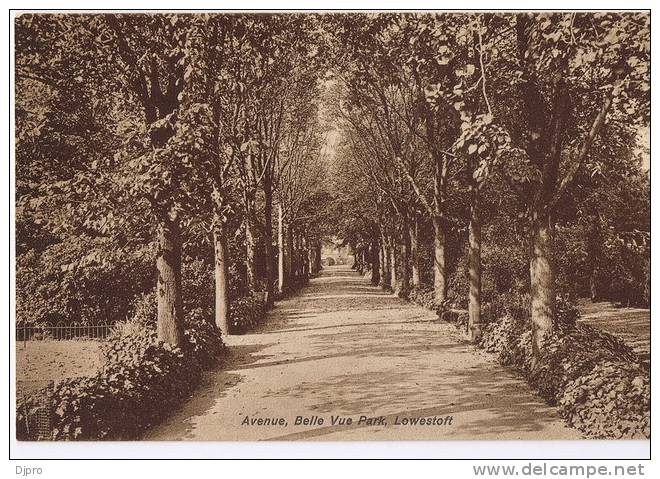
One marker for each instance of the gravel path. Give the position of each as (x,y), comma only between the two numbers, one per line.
(357,363)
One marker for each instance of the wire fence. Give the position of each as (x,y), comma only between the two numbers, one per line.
(35,396)
(62,331)
(35,410)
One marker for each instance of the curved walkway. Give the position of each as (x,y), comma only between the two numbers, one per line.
(342,349)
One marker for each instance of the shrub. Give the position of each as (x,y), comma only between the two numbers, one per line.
(80,281)
(204,341)
(423,296)
(458,285)
(141,381)
(566,314)
(459,318)
(505,262)
(567,357)
(245,314)
(512,303)
(594,377)
(143,311)
(197,283)
(510,339)
(612,401)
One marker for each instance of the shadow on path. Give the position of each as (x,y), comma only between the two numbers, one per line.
(343,347)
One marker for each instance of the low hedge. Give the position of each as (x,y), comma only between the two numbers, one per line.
(567,357)
(141,381)
(245,314)
(422,296)
(613,400)
(510,340)
(597,381)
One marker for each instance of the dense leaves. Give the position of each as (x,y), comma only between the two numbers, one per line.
(246,314)
(139,372)
(494,162)
(594,378)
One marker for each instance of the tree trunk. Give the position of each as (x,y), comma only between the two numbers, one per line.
(594,246)
(404,280)
(168,264)
(414,251)
(281,276)
(439,270)
(317,257)
(294,254)
(250,244)
(393,272)
(288,255)
(375,263)
(221,276)
(474,262)
(268,239)
(310,257)
(593,286)
(304,256)
(384,261)
(542,282)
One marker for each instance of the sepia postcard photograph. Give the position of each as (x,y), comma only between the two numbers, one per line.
(331,225)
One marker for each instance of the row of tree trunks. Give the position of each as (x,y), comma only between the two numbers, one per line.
(403,285)
(298,255)
(394,277)
(392,273)
(250,242)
